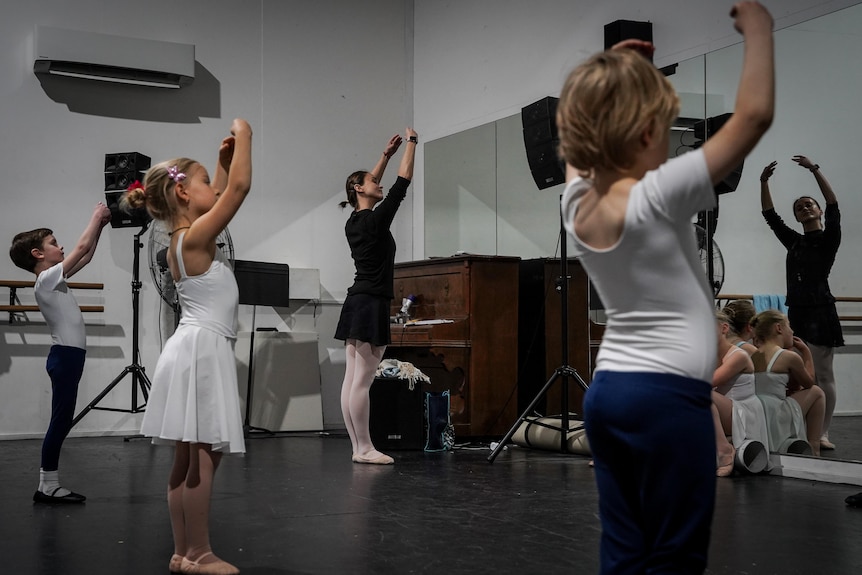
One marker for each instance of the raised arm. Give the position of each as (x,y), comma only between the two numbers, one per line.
(822,182)
(391,147)
(83,251)
(405,170)
(755,98)
(765,196)
(207,227)
(225,154)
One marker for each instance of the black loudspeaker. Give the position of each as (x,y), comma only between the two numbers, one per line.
(121,219)
(126,162)
(541,142)
(705,129)
(626,30)
(121,171)
(397,417)
(120,181)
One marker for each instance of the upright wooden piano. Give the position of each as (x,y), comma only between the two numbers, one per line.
(475,356)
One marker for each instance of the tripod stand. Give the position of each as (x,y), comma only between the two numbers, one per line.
(563,372)
(136,370)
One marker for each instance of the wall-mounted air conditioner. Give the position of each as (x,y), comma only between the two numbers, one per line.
(111,58)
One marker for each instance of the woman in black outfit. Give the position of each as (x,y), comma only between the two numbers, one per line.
(810,255)
(364,321)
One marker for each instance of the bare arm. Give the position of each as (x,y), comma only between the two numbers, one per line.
(799,366)
(83,251)
(405,170)
(391,147)
(225,154)
(206,228)
(733,366)
(755,99)
(822,182)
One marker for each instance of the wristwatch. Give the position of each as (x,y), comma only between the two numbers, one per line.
(414,139)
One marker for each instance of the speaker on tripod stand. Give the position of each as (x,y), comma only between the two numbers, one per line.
(121,171)
(540,131)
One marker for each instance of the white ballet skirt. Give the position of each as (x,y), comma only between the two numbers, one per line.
(748,416)
(784,418)
(194,396)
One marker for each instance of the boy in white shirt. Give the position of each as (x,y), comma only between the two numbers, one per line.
(37,251)
(629,211)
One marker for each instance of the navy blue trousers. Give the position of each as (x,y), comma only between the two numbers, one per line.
(65,366)
(653,444)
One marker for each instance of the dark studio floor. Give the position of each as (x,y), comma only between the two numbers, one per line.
(297,504)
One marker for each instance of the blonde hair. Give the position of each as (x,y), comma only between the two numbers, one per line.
(739,313)
(721,317)
(764,322)
(606,104)
(157,193)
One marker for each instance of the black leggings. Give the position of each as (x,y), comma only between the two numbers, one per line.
(65,366)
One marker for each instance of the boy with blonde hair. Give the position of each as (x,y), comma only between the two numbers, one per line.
(629,212)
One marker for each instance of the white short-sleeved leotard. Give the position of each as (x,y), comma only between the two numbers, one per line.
(653,286)
(59,308)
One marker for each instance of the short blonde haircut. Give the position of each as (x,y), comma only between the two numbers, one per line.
(606,104)
(157,194)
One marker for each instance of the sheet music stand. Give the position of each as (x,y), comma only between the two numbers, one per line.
(260,283)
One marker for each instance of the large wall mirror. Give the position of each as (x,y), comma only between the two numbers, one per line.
(480,196)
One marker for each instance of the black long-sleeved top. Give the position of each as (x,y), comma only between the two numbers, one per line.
(809,257)
(372,246)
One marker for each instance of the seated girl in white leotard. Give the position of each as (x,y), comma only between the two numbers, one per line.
(784,382)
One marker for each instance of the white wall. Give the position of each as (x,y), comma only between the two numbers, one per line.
(324,84)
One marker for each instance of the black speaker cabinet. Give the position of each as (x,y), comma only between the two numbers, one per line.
(705,129)
(541,142)
(126,162)
(120,219)
(120,181)
(627,30)
(397,418)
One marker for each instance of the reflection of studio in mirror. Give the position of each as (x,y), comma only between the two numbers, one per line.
(481,197)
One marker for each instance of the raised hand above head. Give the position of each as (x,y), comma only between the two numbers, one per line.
(748,16)
(768,171)
(392,146)
(644,48)
(803,161)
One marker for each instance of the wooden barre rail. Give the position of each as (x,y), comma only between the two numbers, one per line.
(15,305)
(14,284)
(23,308)
(838,299)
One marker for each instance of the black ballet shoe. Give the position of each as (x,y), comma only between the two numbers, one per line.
(854,500)
(71,497)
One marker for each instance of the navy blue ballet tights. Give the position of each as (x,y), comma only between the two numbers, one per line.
(65,366)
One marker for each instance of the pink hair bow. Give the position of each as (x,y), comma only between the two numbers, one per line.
(176,175)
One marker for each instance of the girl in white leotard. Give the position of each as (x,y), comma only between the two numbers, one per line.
(785,381)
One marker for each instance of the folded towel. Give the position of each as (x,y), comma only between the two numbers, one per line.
(763,302)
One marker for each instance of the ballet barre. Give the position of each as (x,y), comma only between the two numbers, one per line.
(15,305)
(838,299)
